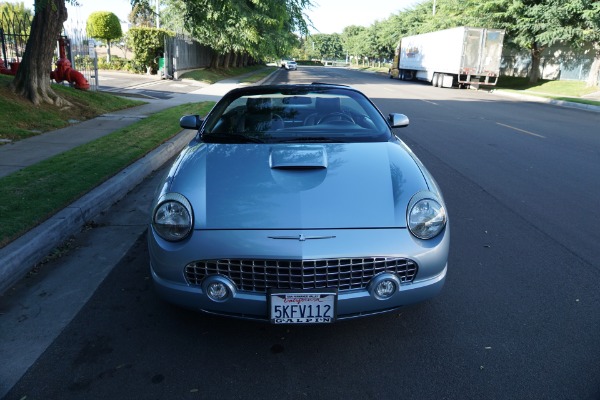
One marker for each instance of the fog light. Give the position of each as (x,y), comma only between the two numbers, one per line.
(218,288)
(385,289)
(217,291)
(384,286)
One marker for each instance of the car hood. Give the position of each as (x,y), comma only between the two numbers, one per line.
(297,186)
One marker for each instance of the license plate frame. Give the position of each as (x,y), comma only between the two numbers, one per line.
(292,306)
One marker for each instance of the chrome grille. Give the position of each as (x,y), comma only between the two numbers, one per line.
(342,273)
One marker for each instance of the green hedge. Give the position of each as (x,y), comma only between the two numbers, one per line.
(309,62)
(148,44)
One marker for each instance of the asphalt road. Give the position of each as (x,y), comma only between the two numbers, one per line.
(519,317)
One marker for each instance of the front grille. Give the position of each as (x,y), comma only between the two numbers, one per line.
(260,275)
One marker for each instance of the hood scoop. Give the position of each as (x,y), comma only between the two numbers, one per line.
(298,157)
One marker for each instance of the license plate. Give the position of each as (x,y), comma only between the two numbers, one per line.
(305,307)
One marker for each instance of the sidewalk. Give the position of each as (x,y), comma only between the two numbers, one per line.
(34,311)
(18,257)
(24,153)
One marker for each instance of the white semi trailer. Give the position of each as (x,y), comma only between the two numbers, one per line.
(461,56)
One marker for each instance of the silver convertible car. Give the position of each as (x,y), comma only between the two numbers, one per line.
(297,204)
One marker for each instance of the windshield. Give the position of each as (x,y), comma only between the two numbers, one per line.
(308,115)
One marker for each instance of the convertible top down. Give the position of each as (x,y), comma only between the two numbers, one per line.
(297,204)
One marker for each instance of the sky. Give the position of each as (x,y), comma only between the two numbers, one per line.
(332,16)
(328,16)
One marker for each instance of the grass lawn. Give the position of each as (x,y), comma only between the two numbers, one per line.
(383,69)
(20,119)
(558,90)
(33,194)
(211,76)
(260,74)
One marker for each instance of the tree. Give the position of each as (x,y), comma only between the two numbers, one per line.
(328,46)
(147,45)
(32,80)
(104,25)
(590,31)
(381,47)
(142,14)
(16,15)
(172,17)
(124,44)
(258,28)
(579,25)
(388,32)
(527,23)
(352,40)
(530,24)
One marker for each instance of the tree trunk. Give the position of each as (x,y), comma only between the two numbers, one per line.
(536,55)
(108,51)
(234,62)
(592,79)
(215,61)
(226,60)
(33,77)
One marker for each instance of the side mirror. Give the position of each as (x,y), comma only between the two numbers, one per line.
(398,120)
(190,122)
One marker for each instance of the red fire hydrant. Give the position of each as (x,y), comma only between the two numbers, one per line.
(64,72)
(14,67)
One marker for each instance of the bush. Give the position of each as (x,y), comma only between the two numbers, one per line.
(148,45)
(116,63)
(309,62)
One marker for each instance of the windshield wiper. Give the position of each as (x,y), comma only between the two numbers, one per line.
(230,138)
(310,139)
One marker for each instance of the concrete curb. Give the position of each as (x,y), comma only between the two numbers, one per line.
(559,103)
(19,256)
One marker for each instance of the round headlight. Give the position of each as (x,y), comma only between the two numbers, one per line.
(426,218)
(172,218)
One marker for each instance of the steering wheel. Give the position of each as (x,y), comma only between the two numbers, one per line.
(337,118)
(277,122)
(366,122)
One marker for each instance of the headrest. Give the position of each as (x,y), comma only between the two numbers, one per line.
(258,104)
(328,104)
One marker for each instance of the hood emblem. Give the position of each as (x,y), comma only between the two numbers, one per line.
(301,238)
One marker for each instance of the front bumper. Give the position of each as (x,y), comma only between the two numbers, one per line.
(351,304)
(168,261)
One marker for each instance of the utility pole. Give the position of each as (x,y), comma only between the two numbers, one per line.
(434,1)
